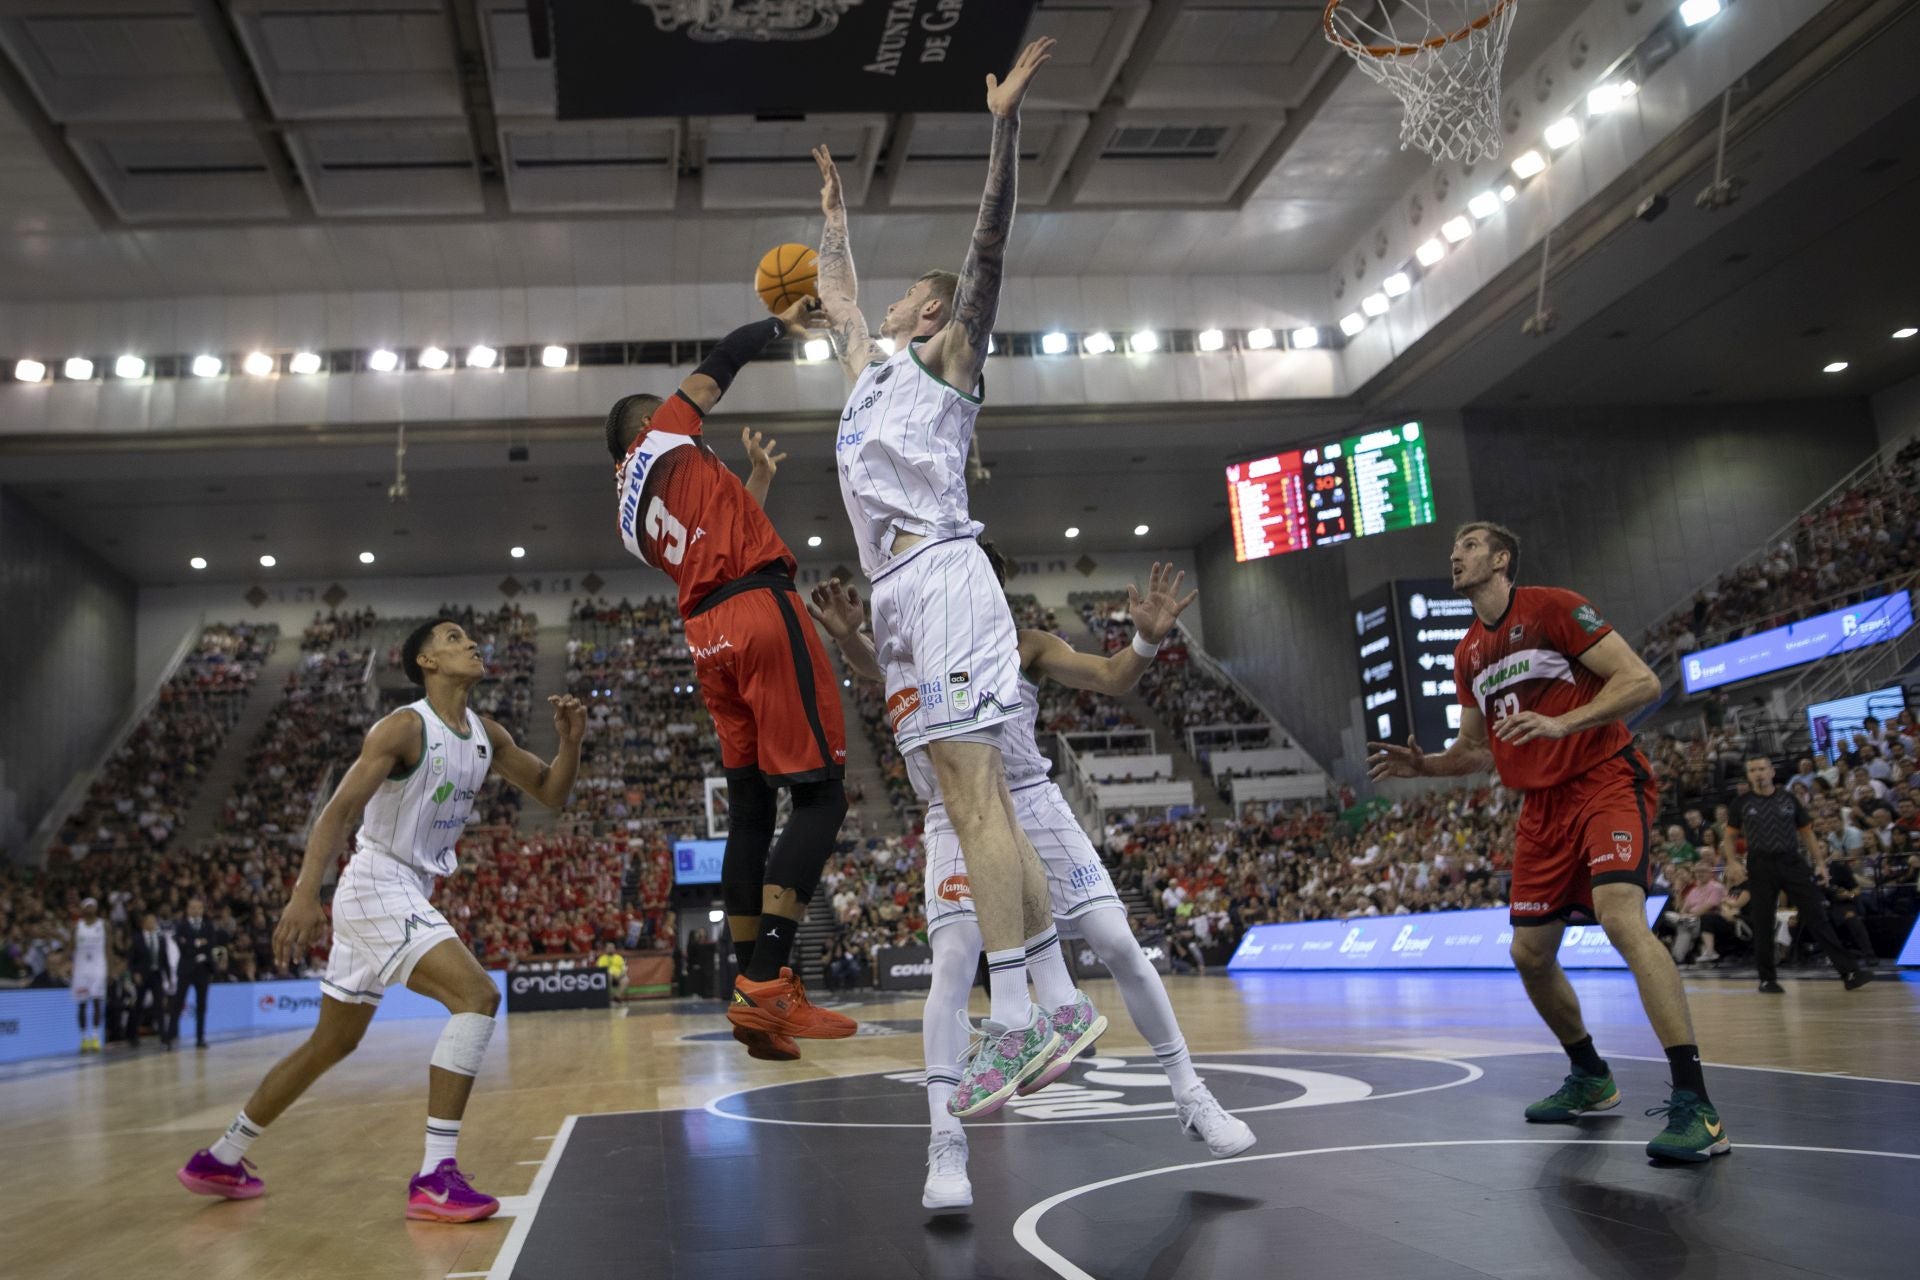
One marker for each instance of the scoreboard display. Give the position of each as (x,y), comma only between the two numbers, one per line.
(1316,496)
(1405,632)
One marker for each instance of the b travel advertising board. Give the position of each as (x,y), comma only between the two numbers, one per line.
(1475,939)
(1870,622)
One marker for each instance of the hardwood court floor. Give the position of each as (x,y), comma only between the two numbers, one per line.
(88,1189)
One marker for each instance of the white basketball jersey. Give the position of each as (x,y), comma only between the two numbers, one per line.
(90,946)
(1020,755)
(416,818)
(902,455)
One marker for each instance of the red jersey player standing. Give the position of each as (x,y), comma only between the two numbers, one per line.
(1556,683)
(763,672)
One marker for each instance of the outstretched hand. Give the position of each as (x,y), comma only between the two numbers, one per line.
(760,451)
(1385,760)
(804,316)
(1155,613)
(837,608)
(569,716)
(1004,96)
(831,199)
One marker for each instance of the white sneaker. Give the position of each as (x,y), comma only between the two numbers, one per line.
(947,1185)
(1202,1116)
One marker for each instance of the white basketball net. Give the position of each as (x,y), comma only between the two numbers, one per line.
(1441,58)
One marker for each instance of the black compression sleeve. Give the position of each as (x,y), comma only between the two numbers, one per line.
(738,347)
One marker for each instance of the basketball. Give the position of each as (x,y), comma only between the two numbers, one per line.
(785,275)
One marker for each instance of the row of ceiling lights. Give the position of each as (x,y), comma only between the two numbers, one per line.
(1607,96)
(1140,342)
(1900,334)
(261,364)
(366,557)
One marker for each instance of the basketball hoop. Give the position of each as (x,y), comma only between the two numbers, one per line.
(1442,59)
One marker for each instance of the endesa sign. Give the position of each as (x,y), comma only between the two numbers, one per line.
(1437,940)
(536,990)
(1870,622)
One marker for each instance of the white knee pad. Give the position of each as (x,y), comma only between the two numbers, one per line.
(463,1042)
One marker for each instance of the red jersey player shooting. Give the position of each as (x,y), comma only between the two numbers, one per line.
(762,669)
(1557,684)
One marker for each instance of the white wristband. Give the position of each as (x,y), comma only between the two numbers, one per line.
(1144,649)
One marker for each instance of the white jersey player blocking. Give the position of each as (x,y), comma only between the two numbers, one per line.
(382,921)
(940,623)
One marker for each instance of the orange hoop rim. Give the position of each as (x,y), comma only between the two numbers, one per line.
(1408,50)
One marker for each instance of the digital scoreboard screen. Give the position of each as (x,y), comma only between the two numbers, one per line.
(1317,496)
(1405,632)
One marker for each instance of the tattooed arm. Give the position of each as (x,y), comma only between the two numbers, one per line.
(958,351)
(839,291)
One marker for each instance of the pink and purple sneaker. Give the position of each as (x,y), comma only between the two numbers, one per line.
(445,1196)
(205,1176)
(1078,1025)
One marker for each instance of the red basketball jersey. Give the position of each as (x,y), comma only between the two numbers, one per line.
(1528,660)
(683,511)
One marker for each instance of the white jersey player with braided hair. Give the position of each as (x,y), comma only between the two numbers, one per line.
(1083,898)
(940,625)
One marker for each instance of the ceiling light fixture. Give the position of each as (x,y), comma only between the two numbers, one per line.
(482,357)
(1528,164)
(518,553)
(1484,205)
(1838,366)
(887,345)
(1374,304)
(77,369)
(129,367)
(383,361)
(366,557)
(1904,334)
(1053,344)
(814,541)
(198,562)
(1305,339)
(1073,531)
(1139,531)
(1457,229)
(1563,133)
(267,562)
(1508,192)
(1259,339)
(433,358)
(1431,252)
(1097,344)
(1695,12)
(1211,340)
(1397,285)
(817,349)
(304,362)
(553,357)
(206,366)
(1144,342)
(258,364)
(1352,323)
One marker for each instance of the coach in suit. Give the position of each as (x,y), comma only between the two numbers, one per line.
(154,962)
(198,939)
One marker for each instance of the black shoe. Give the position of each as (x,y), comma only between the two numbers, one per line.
(1772,989)
(1857,979)
(199,1044)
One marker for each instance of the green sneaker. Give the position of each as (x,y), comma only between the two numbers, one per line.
(999,1060)
(1576,1096)
(1693,1133)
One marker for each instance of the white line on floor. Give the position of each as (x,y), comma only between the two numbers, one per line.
(529,1206)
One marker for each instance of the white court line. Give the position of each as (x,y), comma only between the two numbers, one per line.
(1026,1232)
(529,1161)
(1472,1073)
(509,1255)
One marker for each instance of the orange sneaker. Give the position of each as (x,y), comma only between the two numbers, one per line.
(780,1006)
(766,1045)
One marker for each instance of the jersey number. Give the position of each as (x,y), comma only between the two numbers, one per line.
(668,532)
(1507,704)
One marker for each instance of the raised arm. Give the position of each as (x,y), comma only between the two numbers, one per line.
(706,384)
(548,783)
(386,748)
(957,352)
(837,608)
(839,290)
(1153,617)
(765,463)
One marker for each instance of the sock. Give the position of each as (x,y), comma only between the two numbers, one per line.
(233,1144)
(939,1089)
(1585,1060)
(772,949)
(1684,1061)
(1052,984)
(1007,987)
(1178,1064)
(442,1137)
(743,954)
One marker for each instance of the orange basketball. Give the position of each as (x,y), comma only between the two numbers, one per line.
(786,275)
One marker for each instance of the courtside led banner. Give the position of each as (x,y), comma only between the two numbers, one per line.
(1870,622)
(617,58)
(1910,954)
(1436,940)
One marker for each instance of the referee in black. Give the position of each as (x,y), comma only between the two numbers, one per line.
(1778,827)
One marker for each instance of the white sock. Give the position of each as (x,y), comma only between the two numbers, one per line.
(1007,987)
(233,1144)
(1052,984)
(442,1137)
(943,1033)
(939,1119)
(1175,1061)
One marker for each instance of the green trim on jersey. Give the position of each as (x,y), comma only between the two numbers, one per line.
(464,737)
(970,399)
(402,777)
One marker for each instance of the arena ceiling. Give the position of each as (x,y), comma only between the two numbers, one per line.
(163,147)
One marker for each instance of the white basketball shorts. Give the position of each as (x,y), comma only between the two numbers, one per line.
(382,925)
(1077,882)
(944,634)
(89,982)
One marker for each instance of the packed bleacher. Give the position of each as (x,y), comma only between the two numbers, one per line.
(313,734)
(650,743)
(1841,552)
(140,795)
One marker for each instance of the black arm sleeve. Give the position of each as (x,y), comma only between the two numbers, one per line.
(738,347)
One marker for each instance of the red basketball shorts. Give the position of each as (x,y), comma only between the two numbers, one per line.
(765,678)
(1596,828)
